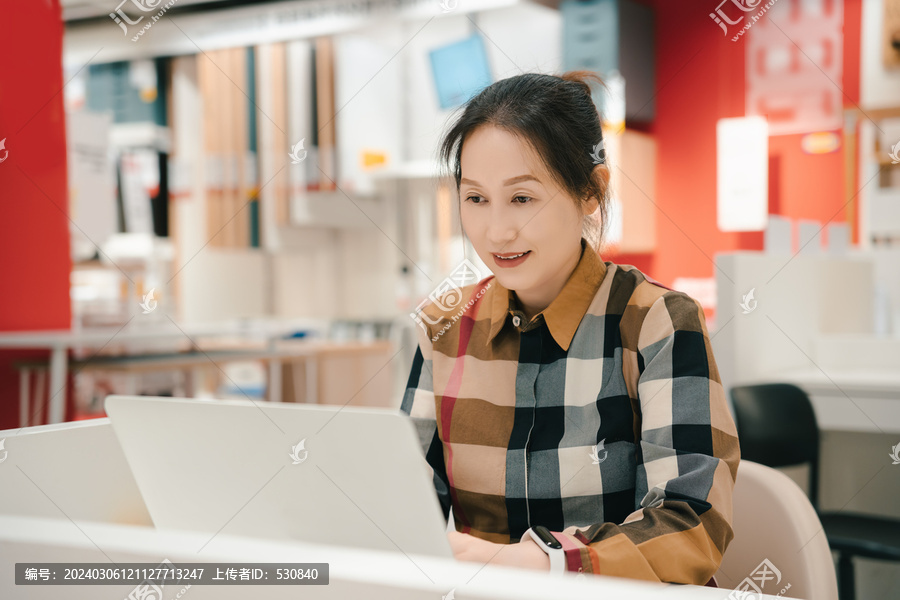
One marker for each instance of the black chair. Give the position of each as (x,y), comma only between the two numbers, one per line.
(777,427)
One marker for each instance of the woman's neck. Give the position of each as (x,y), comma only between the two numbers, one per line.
(539,300)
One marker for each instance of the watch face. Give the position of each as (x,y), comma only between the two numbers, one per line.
(546,537)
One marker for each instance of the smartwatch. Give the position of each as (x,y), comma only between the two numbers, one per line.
(546,537)
(549,544)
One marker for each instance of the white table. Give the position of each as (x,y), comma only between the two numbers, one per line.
(353,573)
(874,397)
(60,341)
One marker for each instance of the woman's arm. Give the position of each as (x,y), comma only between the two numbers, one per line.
(687,459)
(418,402)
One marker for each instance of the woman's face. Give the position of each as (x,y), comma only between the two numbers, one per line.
(510,205)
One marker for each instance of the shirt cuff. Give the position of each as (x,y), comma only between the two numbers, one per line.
(557,555)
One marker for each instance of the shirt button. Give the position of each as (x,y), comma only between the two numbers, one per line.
(516,320)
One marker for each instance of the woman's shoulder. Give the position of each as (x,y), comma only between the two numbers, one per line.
(630,292)
(447,303)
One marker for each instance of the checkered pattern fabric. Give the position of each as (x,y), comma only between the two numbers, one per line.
(602,418)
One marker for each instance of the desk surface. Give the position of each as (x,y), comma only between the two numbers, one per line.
(353,573)
(64,337)
(865,400)
(869,382)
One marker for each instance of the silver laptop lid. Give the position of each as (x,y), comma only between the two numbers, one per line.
(323,474)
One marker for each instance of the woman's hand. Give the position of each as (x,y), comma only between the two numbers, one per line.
(526,554)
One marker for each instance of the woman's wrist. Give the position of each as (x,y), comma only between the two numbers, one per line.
(534,555)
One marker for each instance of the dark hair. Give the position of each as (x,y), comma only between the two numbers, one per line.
(557,117)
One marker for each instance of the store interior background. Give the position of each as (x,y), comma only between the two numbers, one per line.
(344,245)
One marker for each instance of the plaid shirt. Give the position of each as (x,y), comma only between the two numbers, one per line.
(603,418)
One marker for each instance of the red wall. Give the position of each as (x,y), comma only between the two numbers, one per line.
(34,227)
(700,79)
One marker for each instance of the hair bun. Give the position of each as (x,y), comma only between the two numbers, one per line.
(581,77)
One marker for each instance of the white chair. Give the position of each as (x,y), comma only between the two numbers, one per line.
(778,539)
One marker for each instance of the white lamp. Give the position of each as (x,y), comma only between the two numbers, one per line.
(742,173)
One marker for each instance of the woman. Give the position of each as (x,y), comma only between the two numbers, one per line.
(573,415)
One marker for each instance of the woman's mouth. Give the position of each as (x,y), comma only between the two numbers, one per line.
(511,259)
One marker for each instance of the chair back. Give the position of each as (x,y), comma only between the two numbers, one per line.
(778,539)
(776,426)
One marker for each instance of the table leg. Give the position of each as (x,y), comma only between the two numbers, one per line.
(24,400)
(275,380)
(40,386)
(295,380)
(58,374)
(131,387)
(198,384)
(312,390)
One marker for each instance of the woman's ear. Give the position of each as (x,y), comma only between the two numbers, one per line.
(601,175)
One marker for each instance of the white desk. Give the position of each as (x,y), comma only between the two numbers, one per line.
(865,400)
(60,341)
(353,573)
(59,522)
(811,323)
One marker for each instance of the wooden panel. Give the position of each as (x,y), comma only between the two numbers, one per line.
(231,125)
(237,148)
(280,144)
(226,126)
(891,32)
(242,211)
(356,374)
(181,65)
(223,81)
(207,80)
(638,211)
(326,112)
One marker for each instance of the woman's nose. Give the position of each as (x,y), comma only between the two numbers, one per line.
(501,228)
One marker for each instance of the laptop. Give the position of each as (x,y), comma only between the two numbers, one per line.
(346,476)
(68,470)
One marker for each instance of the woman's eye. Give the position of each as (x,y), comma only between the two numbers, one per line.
(516,200)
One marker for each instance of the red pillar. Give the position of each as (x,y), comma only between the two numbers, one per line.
(34,228)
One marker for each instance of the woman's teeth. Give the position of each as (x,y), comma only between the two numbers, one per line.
(512,257)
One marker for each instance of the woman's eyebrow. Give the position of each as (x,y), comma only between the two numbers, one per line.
(508,182)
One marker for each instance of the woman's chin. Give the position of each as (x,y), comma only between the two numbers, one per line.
(511,281)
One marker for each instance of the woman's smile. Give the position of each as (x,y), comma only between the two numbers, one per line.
(510,259)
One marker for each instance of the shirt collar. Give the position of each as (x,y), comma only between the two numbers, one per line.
(566,311)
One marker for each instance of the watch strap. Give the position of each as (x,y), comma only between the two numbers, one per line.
(557,555)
